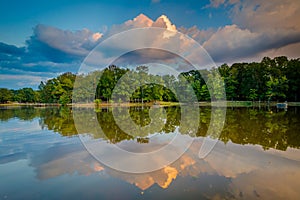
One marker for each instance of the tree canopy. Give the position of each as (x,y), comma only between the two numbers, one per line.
(269,80)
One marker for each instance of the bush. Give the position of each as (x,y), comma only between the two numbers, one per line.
(97,102)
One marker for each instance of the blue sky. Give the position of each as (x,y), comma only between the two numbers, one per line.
(41,39)
(19,17)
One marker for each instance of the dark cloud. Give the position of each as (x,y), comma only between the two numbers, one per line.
(56,45)
(48,52)
(77,43)
(11,49)
(39,51)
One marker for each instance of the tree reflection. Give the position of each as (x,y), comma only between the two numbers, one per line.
(269,129)
(23,113)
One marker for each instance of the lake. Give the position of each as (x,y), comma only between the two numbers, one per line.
(46,154)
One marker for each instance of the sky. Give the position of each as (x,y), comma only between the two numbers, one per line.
(42,39)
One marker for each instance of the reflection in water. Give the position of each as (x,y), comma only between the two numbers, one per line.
(269,129)
(257,147)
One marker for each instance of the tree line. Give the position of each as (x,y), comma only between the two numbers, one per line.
(269,80)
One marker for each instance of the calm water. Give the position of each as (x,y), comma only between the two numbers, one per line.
(41,156)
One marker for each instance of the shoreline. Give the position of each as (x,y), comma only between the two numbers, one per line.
(149,104)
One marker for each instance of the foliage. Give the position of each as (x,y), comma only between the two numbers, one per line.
(5,95)
(57,90)
(271,79)
(97,102)
(25,95)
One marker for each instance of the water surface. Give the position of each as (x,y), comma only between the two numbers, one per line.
(257,155)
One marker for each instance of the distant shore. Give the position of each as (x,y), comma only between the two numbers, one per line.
(158,104)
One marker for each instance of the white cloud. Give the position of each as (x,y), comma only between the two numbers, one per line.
(140,21)
(164,22)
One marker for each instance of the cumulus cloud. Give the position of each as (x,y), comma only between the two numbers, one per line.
(138,22)
(164,22)
(138,39)
(259,27)
(166,37)
(142,21)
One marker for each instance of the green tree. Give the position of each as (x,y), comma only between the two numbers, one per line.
(5,95)
(230,81)
(253,94)
(25,95)
(58,90)
(277,88)
(107,82)
(216,85)
(292,72)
